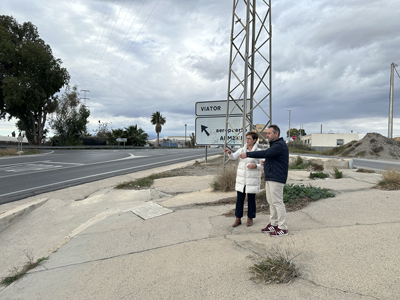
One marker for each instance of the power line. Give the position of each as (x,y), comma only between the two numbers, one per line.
(98,39)
(126,35)
(148,17)
(137,36)
(108,41)
(396,70)
(104,29)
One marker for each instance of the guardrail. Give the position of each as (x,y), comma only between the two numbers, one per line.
(76,147)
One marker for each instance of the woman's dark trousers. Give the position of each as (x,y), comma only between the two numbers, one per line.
(251,204)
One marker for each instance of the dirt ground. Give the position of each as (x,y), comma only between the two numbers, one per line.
(214,167)
(374,146)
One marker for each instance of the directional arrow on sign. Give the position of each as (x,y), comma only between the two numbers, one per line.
(203,128)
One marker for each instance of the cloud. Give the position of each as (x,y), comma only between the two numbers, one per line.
(330,59)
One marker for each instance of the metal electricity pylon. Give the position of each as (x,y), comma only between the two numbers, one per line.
(392,68)
(249,83)
(84,97)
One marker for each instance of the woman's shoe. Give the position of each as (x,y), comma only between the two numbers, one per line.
(238,221)
(249,222)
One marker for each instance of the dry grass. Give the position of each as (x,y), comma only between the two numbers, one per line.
(13,151)
(8,151)
(390,181)
(226,180)
(276,266)
(361,170)
(17,273)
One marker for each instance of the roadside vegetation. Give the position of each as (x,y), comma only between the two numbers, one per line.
(295,197)
(390,181)
(13,151)
(146,182)
(19,272)
(276,266)
(320,175)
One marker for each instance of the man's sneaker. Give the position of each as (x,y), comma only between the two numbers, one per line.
(269,228)
(279,232)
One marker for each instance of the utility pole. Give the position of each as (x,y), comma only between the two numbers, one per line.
(185,134)
(84,97)
(290,113)
(390,134)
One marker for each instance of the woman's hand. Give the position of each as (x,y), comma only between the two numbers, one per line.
(226,150)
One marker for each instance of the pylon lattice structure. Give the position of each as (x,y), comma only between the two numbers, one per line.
(249,83)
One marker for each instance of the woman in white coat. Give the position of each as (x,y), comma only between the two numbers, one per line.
(248,179)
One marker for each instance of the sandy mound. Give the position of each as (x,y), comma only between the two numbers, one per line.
(373,146)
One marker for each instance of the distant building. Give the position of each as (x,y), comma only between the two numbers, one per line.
(263,131)
(324,141)
(169,141)
(11,139)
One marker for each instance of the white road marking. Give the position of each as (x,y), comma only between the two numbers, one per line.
(91,176)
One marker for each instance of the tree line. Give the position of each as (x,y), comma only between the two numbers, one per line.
(30,80)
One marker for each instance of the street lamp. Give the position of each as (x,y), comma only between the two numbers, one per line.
(290,112)
(185,134)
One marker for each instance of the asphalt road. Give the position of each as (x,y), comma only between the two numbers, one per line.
(25,176)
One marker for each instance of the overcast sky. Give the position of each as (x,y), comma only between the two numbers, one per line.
(331,59)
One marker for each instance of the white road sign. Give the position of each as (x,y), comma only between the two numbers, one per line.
(211,130)
(218,108)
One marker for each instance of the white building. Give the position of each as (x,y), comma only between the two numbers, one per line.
(323,141)
(12,139)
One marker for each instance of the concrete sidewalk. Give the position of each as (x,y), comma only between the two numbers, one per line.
(163,243)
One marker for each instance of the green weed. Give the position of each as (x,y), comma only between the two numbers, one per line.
(337,173)
(318,175)
(17,273)
(292,192)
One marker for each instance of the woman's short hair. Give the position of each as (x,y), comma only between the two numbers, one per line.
(253,135)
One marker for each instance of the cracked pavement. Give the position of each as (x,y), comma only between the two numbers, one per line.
(99,249)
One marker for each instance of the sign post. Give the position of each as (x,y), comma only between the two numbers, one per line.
(20,139)
(122,140)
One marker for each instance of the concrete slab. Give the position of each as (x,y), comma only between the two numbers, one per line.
(150,210)
(8,217)
(348,244)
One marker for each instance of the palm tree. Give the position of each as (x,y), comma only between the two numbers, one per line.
(158,120)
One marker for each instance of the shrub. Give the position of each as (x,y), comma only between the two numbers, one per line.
(337,174)
(225,181)
(390,180)
(277,266)
(318,175)
(299,164)
(292,192)
(317,167)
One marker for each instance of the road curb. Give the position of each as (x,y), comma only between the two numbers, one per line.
(13,215)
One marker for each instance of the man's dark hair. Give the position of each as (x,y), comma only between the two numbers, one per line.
(276,129)
(253,135)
